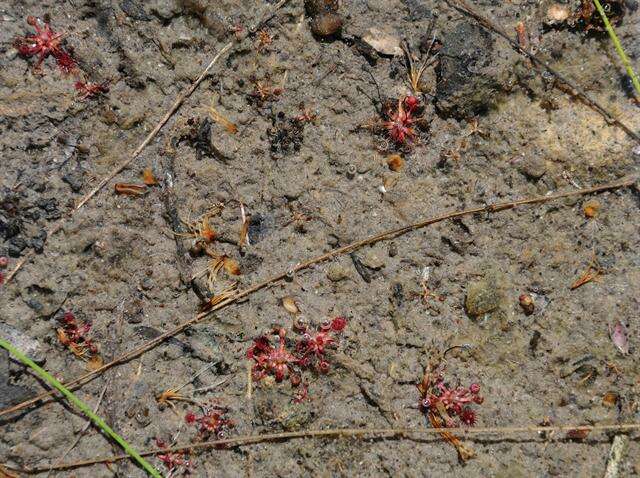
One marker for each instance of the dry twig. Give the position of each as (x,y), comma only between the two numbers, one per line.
(400,433)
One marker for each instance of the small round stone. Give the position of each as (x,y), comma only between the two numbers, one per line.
(327,25)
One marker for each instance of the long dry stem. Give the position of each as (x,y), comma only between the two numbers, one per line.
(402,433)
(491,208)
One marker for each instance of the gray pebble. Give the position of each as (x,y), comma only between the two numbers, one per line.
(533,167)
(337,272)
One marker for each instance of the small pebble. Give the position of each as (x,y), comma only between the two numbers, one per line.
(610,399)
(372,260)
(533,167)
(482,297)
(336,272)
(327,25)
(527,304)
(557,13)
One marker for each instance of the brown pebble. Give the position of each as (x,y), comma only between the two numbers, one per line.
(395,162)
(557,13)
(327,25)
(610,399)
(527,304)
(591,208)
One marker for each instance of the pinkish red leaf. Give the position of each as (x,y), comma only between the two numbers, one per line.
(620,337)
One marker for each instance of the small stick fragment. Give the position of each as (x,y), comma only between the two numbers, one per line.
(244,230)
(249,380)
(591,274)
(523,38)
(221,120)
(465,453)
(130,189)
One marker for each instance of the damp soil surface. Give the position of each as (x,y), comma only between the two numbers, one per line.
(284,144)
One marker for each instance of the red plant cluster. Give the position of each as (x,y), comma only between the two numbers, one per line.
(73,335)
(308,352)
(45,42)
(210,423)
(174,462)
(450,402)
(400,124)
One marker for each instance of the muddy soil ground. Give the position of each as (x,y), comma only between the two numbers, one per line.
(497,130)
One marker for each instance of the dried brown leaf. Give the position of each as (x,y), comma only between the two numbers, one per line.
(231,266)
(148,178)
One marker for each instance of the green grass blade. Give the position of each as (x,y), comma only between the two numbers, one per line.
(616,42)
(47,377)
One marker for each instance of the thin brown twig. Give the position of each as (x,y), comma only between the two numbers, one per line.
(403,433)
(390,234)
(575,89)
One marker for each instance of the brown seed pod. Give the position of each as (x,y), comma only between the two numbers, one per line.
(326,25)
(527,304)
(395,162)
(290,305)
(610,399)
(591,208)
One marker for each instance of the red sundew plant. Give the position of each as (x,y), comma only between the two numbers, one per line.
(174,462)
(270,360)
(45,42)
(210,423)
(308,352)
(312,347)
(73,335)
(401,122)
(450,402)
